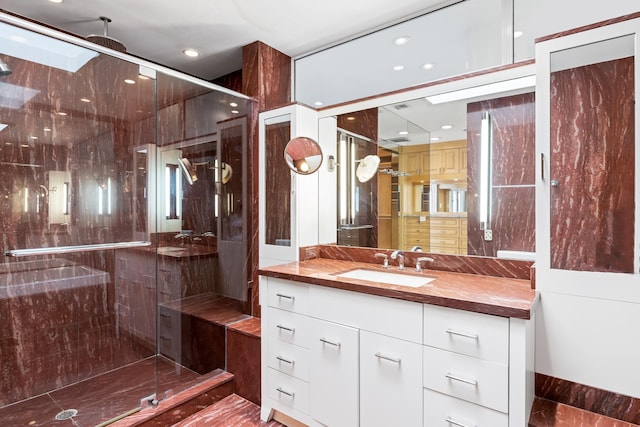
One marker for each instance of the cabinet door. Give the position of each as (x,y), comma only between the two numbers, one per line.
(333,381)
(435,162)
(451,161)
(390,381)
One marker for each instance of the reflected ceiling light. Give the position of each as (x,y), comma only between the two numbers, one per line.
(403,132)
(24,145)
(56,1)
(61,113)
(488,89)
(85,100)
(429,66)
(191,53)
(130,81)
(446,127)
(233,104)
(398,68)
(435,138)
(401,40)
(517,34)
(318,103)
(235,111)
(351,118)
(33,138)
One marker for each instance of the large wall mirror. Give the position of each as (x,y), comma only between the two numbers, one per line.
(456,172)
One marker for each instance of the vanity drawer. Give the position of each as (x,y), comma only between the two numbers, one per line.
(474,334)
(444,232)
(474,380)
(441,410)
(288,327)
(288,390)
(287,295)
(450,241)
(444,222)
(288,358)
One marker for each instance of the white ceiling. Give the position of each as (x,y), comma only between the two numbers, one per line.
(158,30)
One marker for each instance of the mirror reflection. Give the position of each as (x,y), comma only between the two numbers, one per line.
(303,155)
(456,173)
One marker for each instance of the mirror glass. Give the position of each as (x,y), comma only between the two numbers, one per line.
(303,155)
(456,173)
(277,182)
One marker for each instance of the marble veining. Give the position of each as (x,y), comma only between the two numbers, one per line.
(453,263)
(546,413)
(483,294)
(589,27)
(592,158)
(606,403)
(231,411)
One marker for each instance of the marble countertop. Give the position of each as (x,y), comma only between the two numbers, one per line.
(186,251)
(483,294)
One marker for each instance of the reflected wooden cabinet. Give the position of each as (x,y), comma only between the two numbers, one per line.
(442,161)
(445,235)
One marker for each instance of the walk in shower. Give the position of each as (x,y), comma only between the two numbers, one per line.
(122,219)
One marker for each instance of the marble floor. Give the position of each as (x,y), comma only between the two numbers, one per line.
(102,398)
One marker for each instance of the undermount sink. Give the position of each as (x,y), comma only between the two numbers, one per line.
(387,277)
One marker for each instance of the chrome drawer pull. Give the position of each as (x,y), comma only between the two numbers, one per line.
(292,330)
(287,393)
(290,362)
(462,380)
(335,344)
(456,423)
(289,297)
(390,359)
(462,334)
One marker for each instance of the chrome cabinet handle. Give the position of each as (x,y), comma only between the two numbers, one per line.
(289,297)
(335,344)
(456,423)
(390,359)
(462,334)
(286,393)
(284,328)
(290,362)
(462,380)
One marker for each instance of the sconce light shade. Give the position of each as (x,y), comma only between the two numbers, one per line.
(188,170)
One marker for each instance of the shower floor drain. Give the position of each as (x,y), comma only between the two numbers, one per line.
(66,414)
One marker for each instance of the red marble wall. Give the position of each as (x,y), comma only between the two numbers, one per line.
(513,169)
(592,158)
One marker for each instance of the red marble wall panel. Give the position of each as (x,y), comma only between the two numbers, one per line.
(513,175)
(277,184)
(592,158)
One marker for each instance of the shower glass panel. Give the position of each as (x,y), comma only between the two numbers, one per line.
(109,218)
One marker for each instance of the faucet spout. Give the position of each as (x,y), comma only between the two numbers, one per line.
(420,260)
(399,255)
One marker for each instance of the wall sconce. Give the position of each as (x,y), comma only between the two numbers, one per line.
(485,176)
(331,163)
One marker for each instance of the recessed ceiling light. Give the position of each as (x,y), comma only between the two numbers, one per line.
(517,34)
(55,1)
(429,66)
(445,127)
(235,111)
(129,81)
(61,113)
(351,118)
(233,104)
(85,100)
(192,53)
(435,138)
(403,132)
(318,103)
(398,68)
(401,40)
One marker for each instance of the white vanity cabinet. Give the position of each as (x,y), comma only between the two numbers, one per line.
(338,358)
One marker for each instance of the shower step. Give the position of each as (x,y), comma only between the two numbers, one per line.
(233,411)
(175,408)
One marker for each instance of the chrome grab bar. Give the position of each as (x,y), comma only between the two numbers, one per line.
(77,248)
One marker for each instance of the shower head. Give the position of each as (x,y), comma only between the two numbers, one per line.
(104,39)
(4,69)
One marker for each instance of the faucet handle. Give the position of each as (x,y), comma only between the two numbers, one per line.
(422,259)
(385,262)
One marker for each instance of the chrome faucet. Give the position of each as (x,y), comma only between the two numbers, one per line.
(400,255)
(385,262)
(416,249)
(421,260)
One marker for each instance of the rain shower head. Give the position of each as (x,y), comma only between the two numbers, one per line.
(4,69)
(105,40)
